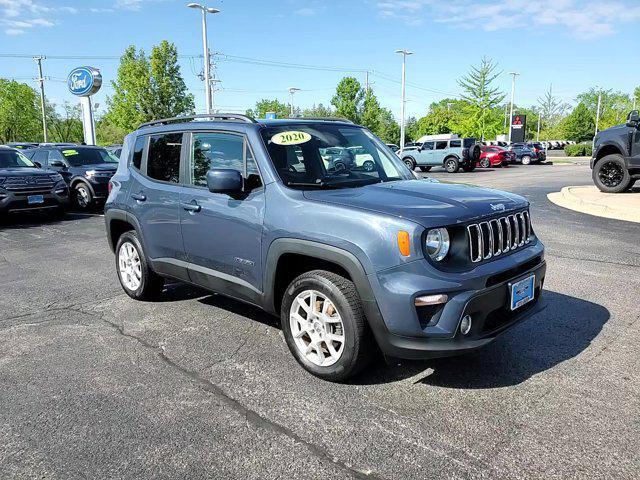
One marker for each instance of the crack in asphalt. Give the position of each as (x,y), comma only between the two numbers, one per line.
(252,417)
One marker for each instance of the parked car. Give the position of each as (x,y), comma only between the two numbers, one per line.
(25,187)
(539,150)
(21,145)
(494,157)
(523,154)
(615,163)
(86,169)
(116,150)
(393,147)
(451,154)
(248,209)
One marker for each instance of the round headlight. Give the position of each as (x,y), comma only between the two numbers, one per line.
(437,243)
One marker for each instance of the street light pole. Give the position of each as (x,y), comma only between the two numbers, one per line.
(292,90)
(403,103)
(513,92)
(207,56)
(40,79)
(598,110)
(539,120)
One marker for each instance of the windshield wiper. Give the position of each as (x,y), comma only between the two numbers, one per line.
(309,184)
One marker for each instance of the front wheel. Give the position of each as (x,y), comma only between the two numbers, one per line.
(368,166)
(410,163)
(526,160)
(451,165)
(485,163)
(82,196)
(324,325)
(611,175)
(136,277)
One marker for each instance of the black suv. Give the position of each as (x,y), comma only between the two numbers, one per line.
(616,156)
(24,186)
(86,169)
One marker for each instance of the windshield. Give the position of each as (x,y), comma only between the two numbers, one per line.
(330,156)
(13,159)
(78,156)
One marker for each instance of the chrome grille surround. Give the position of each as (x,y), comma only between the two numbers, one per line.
(498,236)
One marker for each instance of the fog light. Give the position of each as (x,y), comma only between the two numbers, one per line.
(465,325)
(431,300)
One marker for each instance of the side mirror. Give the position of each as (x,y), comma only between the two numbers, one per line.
(224,180)
(37,164)
(633,119)
(57,164)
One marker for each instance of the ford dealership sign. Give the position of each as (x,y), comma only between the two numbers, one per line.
(84,81)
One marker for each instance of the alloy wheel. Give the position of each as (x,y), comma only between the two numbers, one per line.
(129,266)
(317,328)
(82,196)
(611,174)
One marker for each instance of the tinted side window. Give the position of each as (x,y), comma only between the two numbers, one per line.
(40,156)
(221,150)
(441,145)
(455,143)
(164,157)
(427,146)
(138,149)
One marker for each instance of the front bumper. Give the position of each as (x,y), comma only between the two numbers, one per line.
(13,202)
(402,333)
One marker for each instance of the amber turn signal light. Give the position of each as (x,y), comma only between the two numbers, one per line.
(403,243)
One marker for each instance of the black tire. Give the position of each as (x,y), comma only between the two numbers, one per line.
(82,196)
(610,174)
(151,284)
(358,346)
(425,169)
(369,166)
(525,160)
(469,167)
(451,164)
(410,163)
(474,153)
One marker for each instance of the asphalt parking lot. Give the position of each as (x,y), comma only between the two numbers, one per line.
(95,385)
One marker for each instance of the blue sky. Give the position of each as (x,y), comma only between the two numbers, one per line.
(572,44)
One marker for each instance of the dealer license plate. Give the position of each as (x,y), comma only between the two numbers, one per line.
(522,292)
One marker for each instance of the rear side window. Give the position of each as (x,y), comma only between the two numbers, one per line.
(138,150)
(441,145)
(40,156)
(163,162)
(455,143)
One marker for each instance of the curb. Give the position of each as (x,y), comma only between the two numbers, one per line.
(608,205)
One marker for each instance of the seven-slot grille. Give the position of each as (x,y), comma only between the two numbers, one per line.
(499,235)
(28,183)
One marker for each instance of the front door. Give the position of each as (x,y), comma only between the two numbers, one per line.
(222,233)
(425,155)
(635,148)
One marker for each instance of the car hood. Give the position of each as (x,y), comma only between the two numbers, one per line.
(23,171)
(102,167)
(426,202)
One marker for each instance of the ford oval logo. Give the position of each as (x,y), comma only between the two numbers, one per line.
(84,81)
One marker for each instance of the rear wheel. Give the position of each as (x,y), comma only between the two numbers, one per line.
(324,325)
(485,163)
(526,160)
(368,166)
(611,175)
(451,165)
(137,279)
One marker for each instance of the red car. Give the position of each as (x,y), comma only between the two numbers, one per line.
(493,156)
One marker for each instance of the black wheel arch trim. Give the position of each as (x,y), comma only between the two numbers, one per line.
(124,216)
(75,181)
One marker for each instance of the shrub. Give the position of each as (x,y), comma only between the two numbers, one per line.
(579,150)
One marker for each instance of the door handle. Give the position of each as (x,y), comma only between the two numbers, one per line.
(192,207)
(139,197)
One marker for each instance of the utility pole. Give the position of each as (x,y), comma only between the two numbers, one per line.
(206,53)
(41,80)
(513,92)
(366,82)
(292,90)
(539,120)
(598,110)
(403,104)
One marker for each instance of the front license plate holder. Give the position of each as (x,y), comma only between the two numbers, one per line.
(522,292)
(35,199)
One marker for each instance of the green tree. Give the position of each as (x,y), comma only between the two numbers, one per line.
(388,128)
(282,110)
(445,116)
(348,99)
(483,98)
(148,89)
(20,118)
(109,134)
(318,111)
(614,106)
(371,112)
(579,124)
(552,109)
(66,125)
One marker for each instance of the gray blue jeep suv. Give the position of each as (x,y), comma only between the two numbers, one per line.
(350,256)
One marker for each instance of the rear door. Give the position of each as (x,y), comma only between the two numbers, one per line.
(154,197)
(440,152)
(223,233)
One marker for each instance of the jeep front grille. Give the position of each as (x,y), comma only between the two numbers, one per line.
(498,236)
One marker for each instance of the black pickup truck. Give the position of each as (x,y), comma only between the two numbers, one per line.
(615,163)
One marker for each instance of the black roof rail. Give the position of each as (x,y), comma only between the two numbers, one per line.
(327,119)
(215,116)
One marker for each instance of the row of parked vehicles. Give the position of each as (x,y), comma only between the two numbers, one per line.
(452,154)
(54,176)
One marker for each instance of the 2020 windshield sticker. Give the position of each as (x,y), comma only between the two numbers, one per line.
(67,153)
(290,138)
